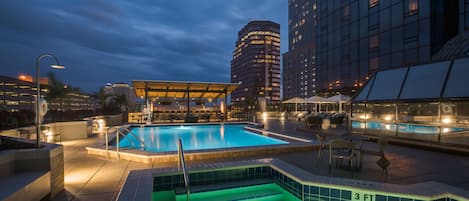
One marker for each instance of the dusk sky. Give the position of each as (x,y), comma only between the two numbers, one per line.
(119,41)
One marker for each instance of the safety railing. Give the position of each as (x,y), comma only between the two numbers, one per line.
(182,164)
(118,134)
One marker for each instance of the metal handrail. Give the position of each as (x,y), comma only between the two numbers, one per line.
(118,133)
(182,164)
(136,137)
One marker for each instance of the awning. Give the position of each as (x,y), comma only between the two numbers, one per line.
(444,80)
(339,98)
(294,100)
(178,89)
(317,99)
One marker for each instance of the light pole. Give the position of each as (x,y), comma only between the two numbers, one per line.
(38,93)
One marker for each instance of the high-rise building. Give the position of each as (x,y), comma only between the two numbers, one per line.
(256,65)
(299,63)
(354,38)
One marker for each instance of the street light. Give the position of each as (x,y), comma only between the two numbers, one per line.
(38,92)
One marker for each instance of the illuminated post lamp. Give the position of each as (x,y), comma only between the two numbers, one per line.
(38,93)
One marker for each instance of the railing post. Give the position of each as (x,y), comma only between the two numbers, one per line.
(107,143)
(117,143)
(182,163)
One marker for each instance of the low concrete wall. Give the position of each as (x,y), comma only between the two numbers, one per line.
(114,120)
(71,130)
(35,185)
(9,133)
(49,158)
(155,158)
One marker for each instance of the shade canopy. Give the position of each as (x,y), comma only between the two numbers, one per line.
(444,80)
(179,89)
(339,98)
(317,99)
(294,100)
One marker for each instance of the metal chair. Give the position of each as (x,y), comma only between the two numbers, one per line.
(340,149)
(322,145)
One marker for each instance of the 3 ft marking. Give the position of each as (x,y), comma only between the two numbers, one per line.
(363,197)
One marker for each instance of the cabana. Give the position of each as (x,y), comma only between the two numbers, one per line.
(294,100)
(424,102)
(340,99)
(317,100)
(186,91)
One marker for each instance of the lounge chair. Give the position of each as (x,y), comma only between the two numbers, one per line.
(314,121)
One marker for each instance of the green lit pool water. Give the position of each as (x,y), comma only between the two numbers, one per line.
(264,192)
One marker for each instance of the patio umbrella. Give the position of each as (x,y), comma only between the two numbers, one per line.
(295,100)
(340,99)
(316,100)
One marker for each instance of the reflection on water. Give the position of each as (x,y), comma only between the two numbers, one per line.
(160,139)
(222,132)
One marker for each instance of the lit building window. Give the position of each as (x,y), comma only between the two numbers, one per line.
(372,3)
(412,7)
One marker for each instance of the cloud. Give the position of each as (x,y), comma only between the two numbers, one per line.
(119,41)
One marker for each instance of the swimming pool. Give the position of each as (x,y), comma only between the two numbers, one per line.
(264,192)
(269,180)
(194,137)
(403,128)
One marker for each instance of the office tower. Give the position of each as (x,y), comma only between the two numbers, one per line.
(352,39)
(256,65)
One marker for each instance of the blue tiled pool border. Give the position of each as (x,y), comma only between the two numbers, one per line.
(309,187)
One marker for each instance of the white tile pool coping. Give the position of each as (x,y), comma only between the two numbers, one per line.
(139,183)
(294,144)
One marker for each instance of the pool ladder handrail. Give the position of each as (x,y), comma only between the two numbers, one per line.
(117,139)
(135,136)
(182,164)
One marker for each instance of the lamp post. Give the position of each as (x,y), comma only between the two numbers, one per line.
(38,93)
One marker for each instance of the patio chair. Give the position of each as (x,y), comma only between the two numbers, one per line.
(314,121)
(337,120)
(322,145)
(340,149)
(206,117)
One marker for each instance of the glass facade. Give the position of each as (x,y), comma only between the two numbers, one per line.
(256,64)
(299,63)
(424,102)
(352,39)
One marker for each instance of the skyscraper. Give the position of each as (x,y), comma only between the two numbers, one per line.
(256,65)
(354,38)
(299,63)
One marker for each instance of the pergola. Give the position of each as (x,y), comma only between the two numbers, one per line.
(182,90)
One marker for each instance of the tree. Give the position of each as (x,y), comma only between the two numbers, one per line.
(57,89)
(121,102)
(102,98)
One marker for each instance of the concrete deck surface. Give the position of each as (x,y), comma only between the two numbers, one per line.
(96,178)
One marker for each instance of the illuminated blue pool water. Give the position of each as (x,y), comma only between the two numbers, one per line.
(403,128)
(164,138)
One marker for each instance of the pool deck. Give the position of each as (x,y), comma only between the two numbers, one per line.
(90,177)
